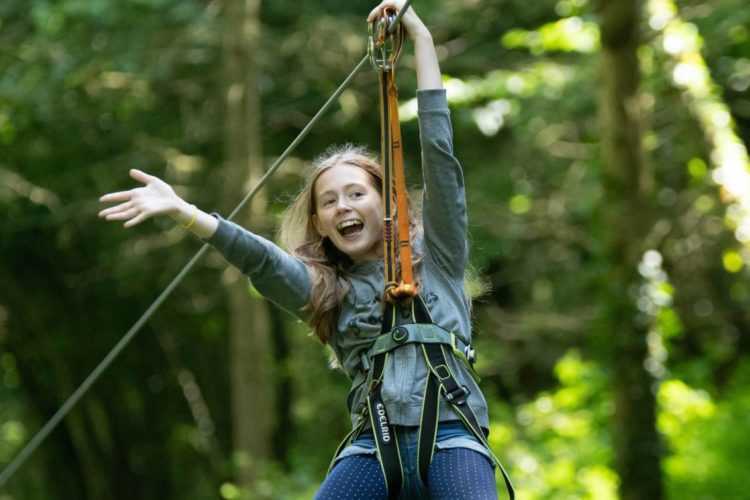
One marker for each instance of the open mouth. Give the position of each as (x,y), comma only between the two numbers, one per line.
(350,228)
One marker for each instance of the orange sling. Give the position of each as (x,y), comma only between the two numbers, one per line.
(384,56)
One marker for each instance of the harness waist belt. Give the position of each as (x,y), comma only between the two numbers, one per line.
(424,333)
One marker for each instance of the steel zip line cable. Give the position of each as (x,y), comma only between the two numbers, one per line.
(42,434)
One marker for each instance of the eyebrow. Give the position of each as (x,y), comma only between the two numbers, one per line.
(350,185)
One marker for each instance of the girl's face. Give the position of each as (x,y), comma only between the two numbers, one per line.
(349,211)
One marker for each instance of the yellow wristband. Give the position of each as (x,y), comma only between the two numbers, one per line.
(192,219)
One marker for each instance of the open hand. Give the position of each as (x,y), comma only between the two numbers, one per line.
(156,197)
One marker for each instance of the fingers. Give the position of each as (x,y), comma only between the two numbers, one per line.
(136,220)
(138,204)
(115,197)
(130,194)
(378,11)
(141,176)
(117,208)
(374,14)
(127,212)
(124,214)
(409,20)
(136,174)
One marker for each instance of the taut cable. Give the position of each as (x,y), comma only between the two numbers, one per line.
(42,434)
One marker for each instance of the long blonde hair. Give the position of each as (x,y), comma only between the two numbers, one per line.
(328,264)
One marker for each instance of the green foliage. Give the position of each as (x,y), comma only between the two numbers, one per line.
(570,34)
(708,439)
(89,89)
(557,445)
(13,431)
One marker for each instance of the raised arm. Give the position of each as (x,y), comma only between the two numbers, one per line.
(156,197)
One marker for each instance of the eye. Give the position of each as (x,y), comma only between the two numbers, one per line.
(328,201)
(357,194)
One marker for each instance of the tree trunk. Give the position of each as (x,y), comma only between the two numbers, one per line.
(249,336)
(626,216)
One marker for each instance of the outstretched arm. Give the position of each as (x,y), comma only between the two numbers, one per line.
(156,197)
(428,70)
(277,275)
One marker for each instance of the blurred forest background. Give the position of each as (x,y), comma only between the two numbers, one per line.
(604,149)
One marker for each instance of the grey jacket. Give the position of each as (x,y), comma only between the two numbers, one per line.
(285,280)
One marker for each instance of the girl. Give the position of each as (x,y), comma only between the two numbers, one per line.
(332,277)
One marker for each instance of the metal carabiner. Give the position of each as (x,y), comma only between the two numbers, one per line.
(384,49)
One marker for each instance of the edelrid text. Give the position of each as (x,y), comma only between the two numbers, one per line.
(385,433)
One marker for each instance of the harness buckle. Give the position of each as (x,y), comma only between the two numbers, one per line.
(458,395)
(365,361)
(361,410)
(471,354)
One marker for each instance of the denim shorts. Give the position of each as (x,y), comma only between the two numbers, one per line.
(450,434)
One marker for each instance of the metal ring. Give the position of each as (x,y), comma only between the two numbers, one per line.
(384,49)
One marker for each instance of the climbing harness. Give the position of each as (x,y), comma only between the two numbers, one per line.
(436,346)
(406,319)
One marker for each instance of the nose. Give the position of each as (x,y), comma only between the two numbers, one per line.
(342,204)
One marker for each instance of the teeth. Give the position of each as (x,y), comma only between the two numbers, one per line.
(347,223)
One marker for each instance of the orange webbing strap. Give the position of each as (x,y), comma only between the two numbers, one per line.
(393,167)
(404,237)
(384,51)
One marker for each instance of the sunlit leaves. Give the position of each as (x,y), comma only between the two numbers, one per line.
(13,431)
(571,34)
(707,438)
(732,261)
(519,204)
(560,449)
(13,434)
(729,156)
(680,404)
(697,168)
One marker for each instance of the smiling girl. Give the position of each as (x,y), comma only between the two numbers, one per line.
(332,277)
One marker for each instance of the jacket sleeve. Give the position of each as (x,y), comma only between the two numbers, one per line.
(444,198)
(277,275)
